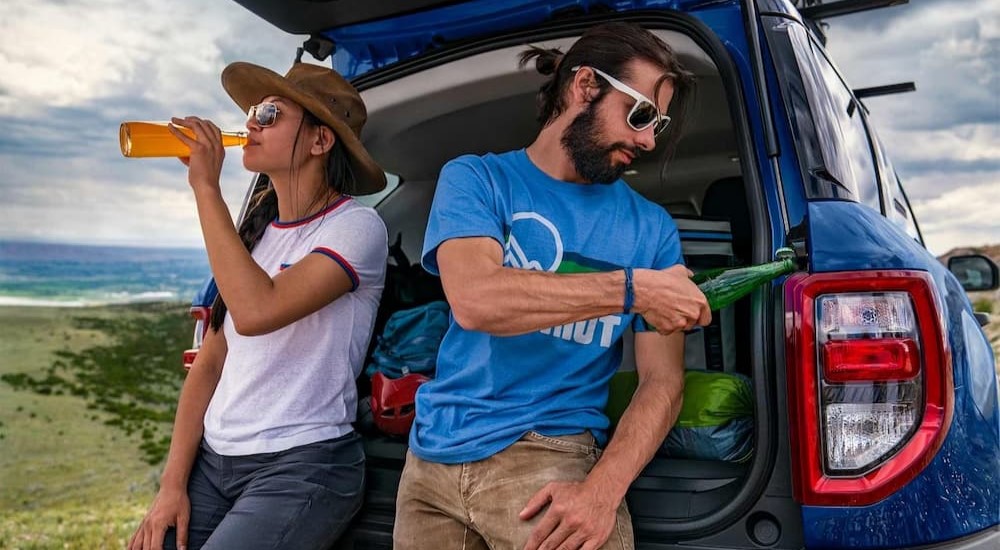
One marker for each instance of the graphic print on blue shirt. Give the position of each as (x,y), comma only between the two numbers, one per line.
(533,242)
(490,390)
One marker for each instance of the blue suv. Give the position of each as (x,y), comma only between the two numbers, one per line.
(875,420)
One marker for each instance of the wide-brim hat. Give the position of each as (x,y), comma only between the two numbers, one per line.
(322,92)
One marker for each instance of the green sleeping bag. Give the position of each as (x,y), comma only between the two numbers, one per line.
(716,419)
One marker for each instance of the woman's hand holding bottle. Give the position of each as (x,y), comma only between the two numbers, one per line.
(207,153)
(144,139)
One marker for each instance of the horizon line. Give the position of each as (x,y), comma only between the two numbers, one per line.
(109,244)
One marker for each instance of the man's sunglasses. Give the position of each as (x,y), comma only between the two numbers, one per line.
(644,113)
(264,114)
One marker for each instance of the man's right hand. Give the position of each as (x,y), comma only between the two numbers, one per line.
(170,508)
(668,300)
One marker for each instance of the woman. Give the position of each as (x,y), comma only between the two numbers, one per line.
(263,454)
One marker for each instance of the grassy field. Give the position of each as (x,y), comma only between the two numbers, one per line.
(68,480)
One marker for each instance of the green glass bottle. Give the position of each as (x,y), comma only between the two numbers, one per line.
(724,286)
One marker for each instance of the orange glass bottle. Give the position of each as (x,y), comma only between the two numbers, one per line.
(153,139)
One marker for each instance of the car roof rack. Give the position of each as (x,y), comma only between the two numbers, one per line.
(888,89)
(819,9)
(813,12)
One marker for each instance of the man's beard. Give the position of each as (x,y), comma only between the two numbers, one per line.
(591,159)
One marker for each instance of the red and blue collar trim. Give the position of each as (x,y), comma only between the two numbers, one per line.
(333,206)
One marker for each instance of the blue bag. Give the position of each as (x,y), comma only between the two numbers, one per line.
(410,341)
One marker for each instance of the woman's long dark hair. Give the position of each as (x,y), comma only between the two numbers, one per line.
(263,208)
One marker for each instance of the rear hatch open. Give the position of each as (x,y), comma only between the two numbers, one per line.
(440,79)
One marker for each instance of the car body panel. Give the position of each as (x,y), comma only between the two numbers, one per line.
(366,46)
(958,493)
(206,295)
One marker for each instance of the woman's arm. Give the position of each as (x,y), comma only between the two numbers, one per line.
(171,506)
(199,386)
(257,303)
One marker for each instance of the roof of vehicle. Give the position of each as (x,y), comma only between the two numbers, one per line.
(311,17)
(369,35)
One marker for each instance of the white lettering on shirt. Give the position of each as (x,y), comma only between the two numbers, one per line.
(582,332)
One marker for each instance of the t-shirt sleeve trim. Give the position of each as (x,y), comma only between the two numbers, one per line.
(429,259)
(351,273)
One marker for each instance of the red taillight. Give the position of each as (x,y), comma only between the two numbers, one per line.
(189,357)
(869,383)
(870,360)
(201,316)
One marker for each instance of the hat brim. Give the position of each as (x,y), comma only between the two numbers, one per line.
(248,84)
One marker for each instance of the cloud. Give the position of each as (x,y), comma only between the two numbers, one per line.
(70,72)
(874,21)
(147,201)
(950,49)
(73,71)
(944,139)
(925,160)
(977,225)
(167,53)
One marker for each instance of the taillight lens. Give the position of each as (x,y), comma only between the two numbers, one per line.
(865,343)
(201,315)
(870,359)
(870,382)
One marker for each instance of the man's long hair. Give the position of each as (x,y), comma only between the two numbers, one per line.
(610,47)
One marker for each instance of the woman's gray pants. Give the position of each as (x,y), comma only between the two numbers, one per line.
(300,498)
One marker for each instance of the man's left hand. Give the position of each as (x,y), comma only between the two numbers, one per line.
(578,516)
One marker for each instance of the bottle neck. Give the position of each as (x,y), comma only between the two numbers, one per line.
(230,139)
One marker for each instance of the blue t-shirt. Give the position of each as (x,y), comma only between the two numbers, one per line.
(490,390)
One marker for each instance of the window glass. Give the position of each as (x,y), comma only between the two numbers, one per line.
(901,206)
(391,183)
(897,207)
(839,123)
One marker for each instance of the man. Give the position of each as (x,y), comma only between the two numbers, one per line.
(546,257)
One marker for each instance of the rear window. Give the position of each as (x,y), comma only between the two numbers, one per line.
(843,139)
(833,145)
(392,181)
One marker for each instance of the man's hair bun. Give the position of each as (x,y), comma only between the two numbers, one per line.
(546,60)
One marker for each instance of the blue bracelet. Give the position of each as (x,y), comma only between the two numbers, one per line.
(629,291)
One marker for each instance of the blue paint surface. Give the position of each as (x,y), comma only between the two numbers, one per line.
(959,491)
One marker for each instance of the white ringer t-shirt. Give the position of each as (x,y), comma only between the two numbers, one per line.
(296,385)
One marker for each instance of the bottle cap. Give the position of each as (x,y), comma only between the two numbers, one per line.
(784,253)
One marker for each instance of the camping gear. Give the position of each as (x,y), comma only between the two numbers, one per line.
(393,402)
(410,340)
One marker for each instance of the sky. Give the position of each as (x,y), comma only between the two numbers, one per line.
(72,70)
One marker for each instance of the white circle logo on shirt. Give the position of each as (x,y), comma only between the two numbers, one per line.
(534,243)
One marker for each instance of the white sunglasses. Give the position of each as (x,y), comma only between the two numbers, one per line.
(644,113)
(264,114)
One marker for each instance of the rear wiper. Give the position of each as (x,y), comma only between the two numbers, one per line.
(822,173)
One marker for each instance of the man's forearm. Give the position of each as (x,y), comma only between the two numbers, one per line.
(652,412)
(508,301)
(486,296)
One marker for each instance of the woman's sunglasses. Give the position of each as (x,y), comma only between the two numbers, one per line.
(644,113)
(264,114)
